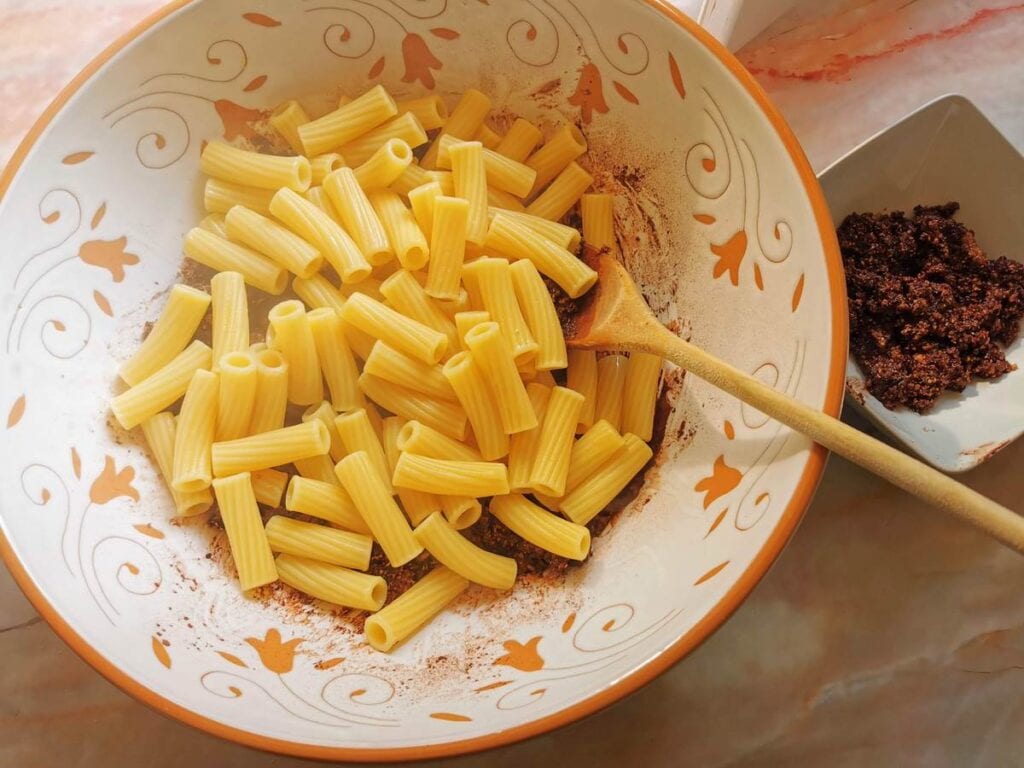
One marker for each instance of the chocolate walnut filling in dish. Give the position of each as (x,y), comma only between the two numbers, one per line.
(929,312)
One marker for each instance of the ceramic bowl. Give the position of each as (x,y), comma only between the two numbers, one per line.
(944,151)
(721,221)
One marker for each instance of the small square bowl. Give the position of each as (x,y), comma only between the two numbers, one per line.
(946,150)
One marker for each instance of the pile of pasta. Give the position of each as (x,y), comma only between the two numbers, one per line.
(421,343)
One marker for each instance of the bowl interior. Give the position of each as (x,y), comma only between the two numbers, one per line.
(945,151)
(719,220)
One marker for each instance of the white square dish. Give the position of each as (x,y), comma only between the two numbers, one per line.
(946,150)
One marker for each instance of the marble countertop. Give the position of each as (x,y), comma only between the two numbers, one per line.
(885,635)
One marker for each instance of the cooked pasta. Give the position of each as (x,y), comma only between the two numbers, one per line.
(640,394)
(252,169)
(332,583)
(391,365)
(221,254)
(405,294)
(596,492)
(541,317)
(271,401)
(519,140)
(394,329)
(423,351)
(449,230)
(318,292)
(221,196)
(504,201)
(412,178)
(286,119)
(357,434)
(446,417)
(337,363)
(581,376)
(429,110)
(463,122)
(447,476)
(319,542)
(500,172)
(270,238)
(555,201)
(269,485)
(293,336)
(230,314)
(170,334)
(324,413)
(414,608)
(540,527)
(611,380)
(522,448)
(423,440)
(471,389)
(466,321)
(236,394)
(244,527)
(324,501)
(319,467)
(461,511)
(406,237)
(321,231)
(404,127)
(492,353)
(385,165)
(358,216)
(161,388)
(518,241)
(493,280)
(270,449)
(597,214)
(348,122)
(159,431)
(455,551)
(551,461)
(322,166)
(589,452)
(389,526)
(562,235)
(551,159)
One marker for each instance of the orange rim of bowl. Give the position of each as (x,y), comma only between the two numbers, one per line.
(651,669)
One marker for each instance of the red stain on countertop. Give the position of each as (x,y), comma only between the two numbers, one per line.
(838,65)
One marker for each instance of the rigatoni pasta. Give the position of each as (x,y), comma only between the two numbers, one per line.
(319,542)
(424,346)
(236,394)
(251,169)
(318,228)
(270,449)
(376,506)
(170,334)
(346,123)
(414,608)
(159,431)
(335,357)
(271,239)
(244,527)
(230,314)
(160,389)
(222,255)
(332,583)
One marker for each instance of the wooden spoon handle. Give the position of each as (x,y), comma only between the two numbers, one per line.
(883,460)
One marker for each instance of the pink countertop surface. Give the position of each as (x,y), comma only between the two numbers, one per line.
(885,635)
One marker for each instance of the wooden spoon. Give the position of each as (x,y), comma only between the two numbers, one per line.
(616,317)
